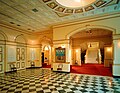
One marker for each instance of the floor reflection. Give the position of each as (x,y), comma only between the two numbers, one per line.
(46,81)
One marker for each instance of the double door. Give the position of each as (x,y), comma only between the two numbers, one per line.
(21,57)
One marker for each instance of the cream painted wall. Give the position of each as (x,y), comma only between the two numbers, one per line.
(76,56)
(29,40)
(13,33)
(108,56)
(34,54)
(61,31)
(116,61)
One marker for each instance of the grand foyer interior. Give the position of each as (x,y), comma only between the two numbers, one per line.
(32,34)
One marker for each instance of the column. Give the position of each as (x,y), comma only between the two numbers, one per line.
(116,62)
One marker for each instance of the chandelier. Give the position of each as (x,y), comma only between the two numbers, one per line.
(75,3)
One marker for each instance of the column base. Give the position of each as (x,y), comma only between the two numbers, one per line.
(116,70)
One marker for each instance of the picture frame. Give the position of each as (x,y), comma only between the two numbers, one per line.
(23,50)
(60,54)
(1,68)
(23,64)
(0,48)
(1,57)
(22,57)
(22,54)
(18,65)
(18,54)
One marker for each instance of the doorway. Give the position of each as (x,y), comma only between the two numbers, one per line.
(21,57)
(92,43)
(42,57)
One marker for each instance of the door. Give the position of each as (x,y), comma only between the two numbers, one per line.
(21,57)
(1,58)
(42,57)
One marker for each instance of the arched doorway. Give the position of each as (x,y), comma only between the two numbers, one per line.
(46,51)
(91,42)
(20,51)
(89,39)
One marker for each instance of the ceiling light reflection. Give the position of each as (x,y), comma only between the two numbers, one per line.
(75,3)
(77,0)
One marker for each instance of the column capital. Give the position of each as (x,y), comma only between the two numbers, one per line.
(116,37)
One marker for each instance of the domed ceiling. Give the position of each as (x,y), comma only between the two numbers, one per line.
(77,6)
(41,15)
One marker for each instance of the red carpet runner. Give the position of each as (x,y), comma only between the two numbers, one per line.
(90,69)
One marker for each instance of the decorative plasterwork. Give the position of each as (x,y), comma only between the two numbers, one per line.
(32,16)
(58,8)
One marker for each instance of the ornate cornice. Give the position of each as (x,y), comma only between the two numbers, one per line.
(58,8)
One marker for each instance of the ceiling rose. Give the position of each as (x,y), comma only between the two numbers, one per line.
(75,3)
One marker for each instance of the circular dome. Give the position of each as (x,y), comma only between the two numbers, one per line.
(75,3)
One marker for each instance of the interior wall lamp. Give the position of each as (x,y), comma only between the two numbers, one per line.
(63,46)
(77,0)
(119,44)
(76,51)
(109,49)
(46,48)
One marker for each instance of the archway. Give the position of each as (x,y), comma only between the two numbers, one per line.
(46,50)
(88,27)
(84,39)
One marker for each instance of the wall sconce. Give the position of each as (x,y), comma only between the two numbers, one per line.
(32,42)
(46,48)
(109,49)
(119,44)
(77,0)
(76,51)
(90,45)
(63,46)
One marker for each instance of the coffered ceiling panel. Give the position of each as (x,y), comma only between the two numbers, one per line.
(40,15)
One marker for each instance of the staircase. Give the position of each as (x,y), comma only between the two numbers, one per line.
(91,55)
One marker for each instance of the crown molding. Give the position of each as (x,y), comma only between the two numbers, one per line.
(88,19)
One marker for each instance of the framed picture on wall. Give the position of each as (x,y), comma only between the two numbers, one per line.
(22,57)
(18,65)
(23,64)
(23,50)
(0,67)
(60,54)
(22,54)
(0,57)
(18,54)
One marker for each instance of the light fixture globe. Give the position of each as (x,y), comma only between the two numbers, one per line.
(75,3)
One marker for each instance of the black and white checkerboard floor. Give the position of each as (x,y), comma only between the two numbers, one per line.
(46,81)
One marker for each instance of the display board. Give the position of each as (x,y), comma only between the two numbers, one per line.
(60,54)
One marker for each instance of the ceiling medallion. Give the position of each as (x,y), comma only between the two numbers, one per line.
(67,7)
(75,3)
